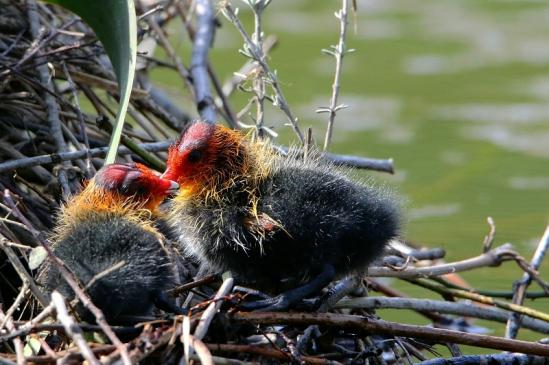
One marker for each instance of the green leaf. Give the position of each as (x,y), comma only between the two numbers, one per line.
(115,24)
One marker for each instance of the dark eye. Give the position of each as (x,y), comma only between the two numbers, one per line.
(195,156)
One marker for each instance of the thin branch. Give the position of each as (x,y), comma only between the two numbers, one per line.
(380,327)
(22,272)
(52,107)
(337,52)
(213,308)
(199,60)
(71,328)
(482,299)
(16,341)
(495,359)
(493,257)
(257,55)
(265,352)
(74,155)
(520,287)
(439,306)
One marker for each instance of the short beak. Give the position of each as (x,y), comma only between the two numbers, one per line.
(174,187)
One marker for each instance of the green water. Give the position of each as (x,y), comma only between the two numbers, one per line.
(455,91)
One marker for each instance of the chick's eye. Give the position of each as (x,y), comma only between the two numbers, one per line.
(195,156)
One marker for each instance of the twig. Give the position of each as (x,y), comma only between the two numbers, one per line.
(28,326)
(493,257)
(52,107)
(22,272)
(221,101)
(257,55)
(209,313)
(337,52)
(22,294)
(495,359)
(489,239)
(71,328)
(360,323)
(520,287)
(74,155)
(427,305)
(183,288)
(16,341)
(266,352)
(482,299)
(199,60)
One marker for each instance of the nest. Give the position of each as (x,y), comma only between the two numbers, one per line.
(57,98)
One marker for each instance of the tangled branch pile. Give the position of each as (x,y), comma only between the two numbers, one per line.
(57,93)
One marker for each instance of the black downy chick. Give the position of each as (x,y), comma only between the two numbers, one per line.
(245,209)
(110,223)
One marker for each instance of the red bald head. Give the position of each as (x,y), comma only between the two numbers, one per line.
(205,155)
(134,180)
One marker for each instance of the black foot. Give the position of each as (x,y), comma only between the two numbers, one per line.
(287,299)
(338,291)
(167,304)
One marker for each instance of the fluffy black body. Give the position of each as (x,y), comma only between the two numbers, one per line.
(96,245)
(314,215)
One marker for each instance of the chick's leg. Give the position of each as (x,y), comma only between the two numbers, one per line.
(285,300)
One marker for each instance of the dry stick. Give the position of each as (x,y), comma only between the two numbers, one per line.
(520,287)
(22,272)
(183,72)
(82,123)
(258,79)
(206,318)
(28,326)
(493,257)
(494,359)
(482,299)
(16,303)
(105,84)
(440,306)
(52,107)
(71,353)
(266,352)
(230,86)
(182,288)
(72,281)
(343,160)
(257,54)
(221,102)
(199,60)
(74,155)
(71,328)
(360,323)
(16,341)
(337,52)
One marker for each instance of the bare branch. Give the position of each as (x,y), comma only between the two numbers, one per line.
(369,325)
(337,52)
(427,305)
(252,51)
(520,287)
(71,328)
(199,61)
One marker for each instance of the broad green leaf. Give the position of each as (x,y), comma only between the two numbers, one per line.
(115,24)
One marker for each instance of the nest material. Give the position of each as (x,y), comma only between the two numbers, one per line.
(55,83)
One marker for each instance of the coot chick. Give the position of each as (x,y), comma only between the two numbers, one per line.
(110,223)
(270,218)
